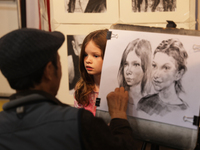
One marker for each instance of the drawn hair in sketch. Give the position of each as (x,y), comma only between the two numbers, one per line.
(175,49)
(143,50)
(166,77)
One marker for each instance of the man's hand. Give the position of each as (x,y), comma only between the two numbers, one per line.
(117,103)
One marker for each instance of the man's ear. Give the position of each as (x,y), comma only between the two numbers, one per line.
(74,48)
(48,70)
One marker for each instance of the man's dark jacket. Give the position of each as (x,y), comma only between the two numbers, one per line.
(34,120)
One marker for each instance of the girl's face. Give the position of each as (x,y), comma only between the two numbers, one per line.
(92,59)
(164,71)
(133,72)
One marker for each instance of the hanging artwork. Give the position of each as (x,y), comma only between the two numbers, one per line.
(155,11)
(160,71)
(85,6)
(85,11)
(154,5)
(74,43)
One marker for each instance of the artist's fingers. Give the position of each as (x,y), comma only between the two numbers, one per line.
(117,103)
(117,90)
(110,95)
(123,98)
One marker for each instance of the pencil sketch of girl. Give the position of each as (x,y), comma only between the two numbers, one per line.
(134,70)
(168,67)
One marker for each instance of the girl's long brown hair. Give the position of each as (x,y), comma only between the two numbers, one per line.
(86,83)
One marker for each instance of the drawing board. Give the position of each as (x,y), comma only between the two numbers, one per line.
(115,48)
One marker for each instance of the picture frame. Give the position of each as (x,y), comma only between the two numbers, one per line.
(181,13)
(59,15)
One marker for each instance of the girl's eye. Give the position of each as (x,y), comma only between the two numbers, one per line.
(85,55)
(96,56)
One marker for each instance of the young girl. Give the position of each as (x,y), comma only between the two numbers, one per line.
(90,65)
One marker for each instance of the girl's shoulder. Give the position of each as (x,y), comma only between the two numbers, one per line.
(77,105)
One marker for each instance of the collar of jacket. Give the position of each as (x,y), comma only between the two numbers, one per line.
(30,96)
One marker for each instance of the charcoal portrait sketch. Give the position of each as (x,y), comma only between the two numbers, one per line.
(168,68)
(160,72)
(74,43)
(153,5)
(134,70)
(85,6)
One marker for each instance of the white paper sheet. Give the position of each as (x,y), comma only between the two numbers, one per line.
(190,80)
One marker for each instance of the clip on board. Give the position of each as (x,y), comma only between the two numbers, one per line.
(153,131)
(171,24)
(97,102)
(109,33)
(194,120)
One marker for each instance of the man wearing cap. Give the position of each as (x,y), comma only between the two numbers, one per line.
(34,119)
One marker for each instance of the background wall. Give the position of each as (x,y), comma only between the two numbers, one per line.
(9,22)
(73,24)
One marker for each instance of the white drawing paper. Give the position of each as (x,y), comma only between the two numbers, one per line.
(167,94)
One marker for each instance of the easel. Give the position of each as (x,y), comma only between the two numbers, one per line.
(165,134)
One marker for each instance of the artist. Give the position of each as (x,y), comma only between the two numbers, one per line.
(34,119)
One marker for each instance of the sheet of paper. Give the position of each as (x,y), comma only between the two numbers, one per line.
(185,104)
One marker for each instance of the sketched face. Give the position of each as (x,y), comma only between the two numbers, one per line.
(133,72)
(164,71)
(93,60)
(77,43)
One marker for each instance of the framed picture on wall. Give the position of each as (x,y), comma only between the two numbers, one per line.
(85,11)
(154,11)
(69,57)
